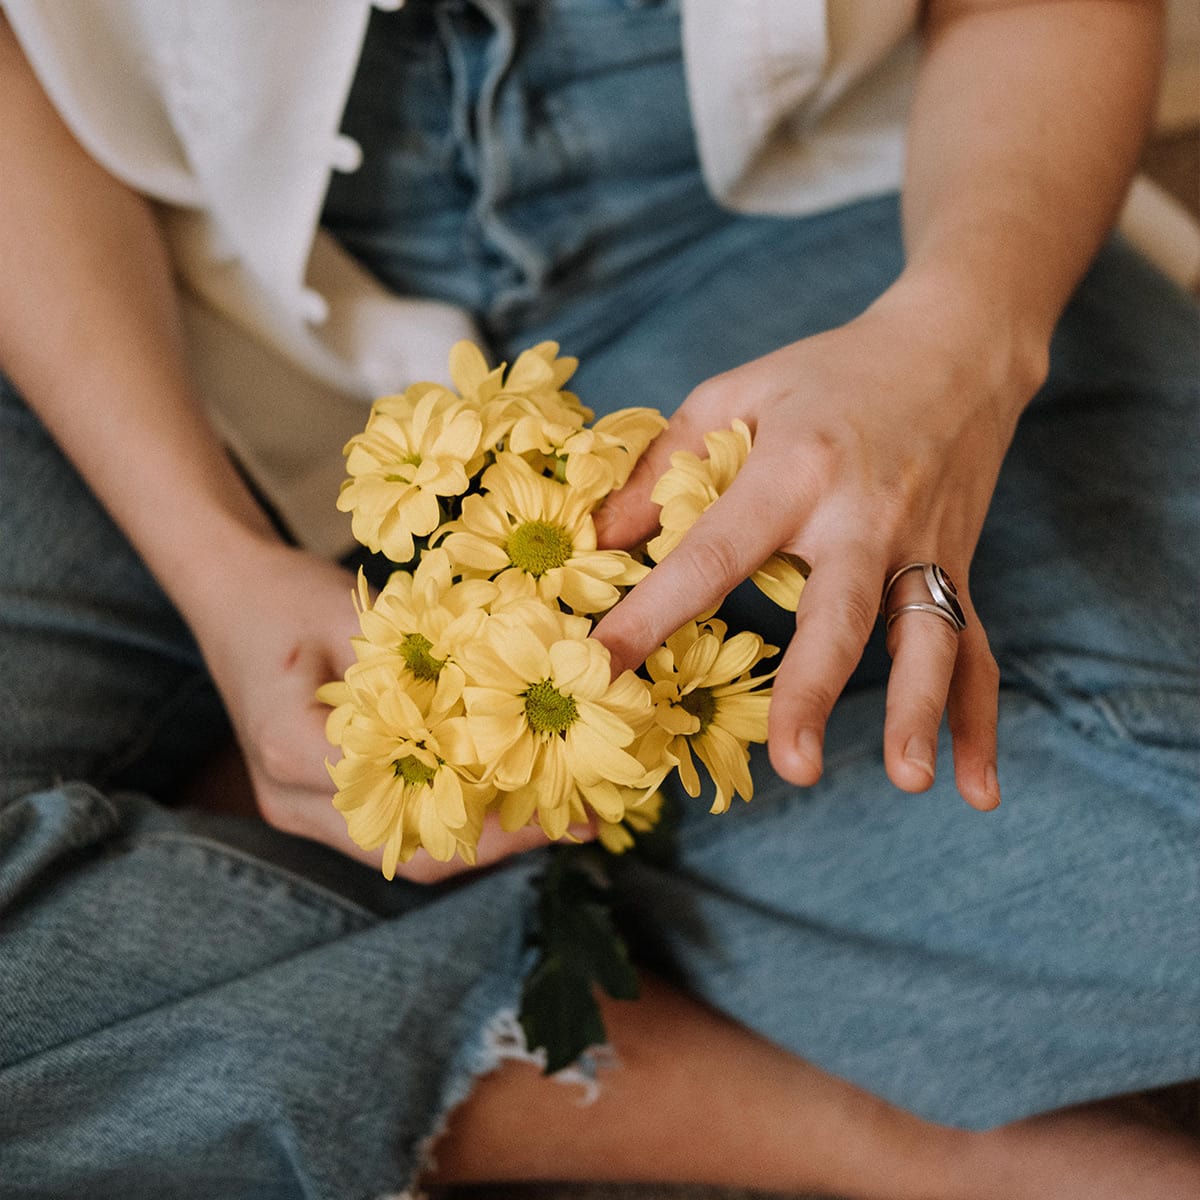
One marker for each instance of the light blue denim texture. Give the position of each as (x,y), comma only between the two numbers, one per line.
(193,1005)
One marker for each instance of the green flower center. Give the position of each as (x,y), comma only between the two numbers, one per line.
(413,771)
(701,704)
(408,460)
(547,710)
(415,652)
(537,546)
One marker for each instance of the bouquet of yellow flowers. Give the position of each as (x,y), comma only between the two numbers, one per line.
(477,687)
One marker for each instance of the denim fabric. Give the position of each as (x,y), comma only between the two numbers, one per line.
(975,967)
(194,1005)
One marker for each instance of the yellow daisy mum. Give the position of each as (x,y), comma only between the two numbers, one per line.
(692,484)
(400,465)
(617,836)
(704,702)
(531,389)
(406,778)
(544,715)
(594,461)
(536,378)
(419,621)
(536,537)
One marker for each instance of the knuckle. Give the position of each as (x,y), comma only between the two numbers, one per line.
(274,754)
(860,607)
(848,625)
(819,464)
(711,396)
(276,810)
(820,695)
(845,643)
(714,559)
(824,454)
(626,631)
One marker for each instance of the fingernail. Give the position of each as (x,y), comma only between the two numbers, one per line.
(919,752)
(991,784)
(808,746)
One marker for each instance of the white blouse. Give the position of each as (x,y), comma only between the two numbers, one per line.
(227,114)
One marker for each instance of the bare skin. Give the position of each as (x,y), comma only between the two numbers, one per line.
(1014,176)
(713,1104)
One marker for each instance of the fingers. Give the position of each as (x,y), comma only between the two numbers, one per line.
(628,516)
(837,612)
(494,846)
(974,711)
(286,742)
(285,748)
(731,539)
(935,670)
(924,648)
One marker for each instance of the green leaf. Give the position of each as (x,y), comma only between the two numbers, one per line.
(559,1014)
(659,844)
(579,948)
(591,946)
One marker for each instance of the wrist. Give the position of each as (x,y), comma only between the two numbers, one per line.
(996,343)
(208,554)
(230,566)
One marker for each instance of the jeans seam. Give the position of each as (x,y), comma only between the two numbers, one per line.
(300,885)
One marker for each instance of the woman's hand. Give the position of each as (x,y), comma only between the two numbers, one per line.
(270,643)
(875,445)
(879,444)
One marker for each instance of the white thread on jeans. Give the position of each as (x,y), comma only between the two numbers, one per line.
(504,1041)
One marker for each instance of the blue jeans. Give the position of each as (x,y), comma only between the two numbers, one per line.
(195,1005)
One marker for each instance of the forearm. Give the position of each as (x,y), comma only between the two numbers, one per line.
(89,333)
(1025,130)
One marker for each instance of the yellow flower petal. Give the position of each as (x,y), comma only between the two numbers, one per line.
(448,799)
(593,758)
(517,809)
(699,658)
(735,656)
(515,767)
(607,800)
(436,839)
(492,733)
(744,717)
(582,593)
(780,581)
(727,762)
(468,367)
(470,550)
(580,667)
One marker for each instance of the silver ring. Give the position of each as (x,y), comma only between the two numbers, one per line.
(942,592)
